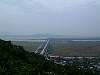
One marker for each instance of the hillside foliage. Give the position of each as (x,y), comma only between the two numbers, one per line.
(14,60)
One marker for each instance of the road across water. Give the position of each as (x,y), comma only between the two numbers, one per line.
(42,49)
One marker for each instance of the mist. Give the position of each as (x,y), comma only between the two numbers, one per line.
(63,17)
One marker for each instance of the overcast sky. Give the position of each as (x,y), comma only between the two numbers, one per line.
(69,17)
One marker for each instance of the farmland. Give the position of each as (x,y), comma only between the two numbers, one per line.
(75,48)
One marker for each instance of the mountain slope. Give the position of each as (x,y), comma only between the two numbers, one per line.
(14,60)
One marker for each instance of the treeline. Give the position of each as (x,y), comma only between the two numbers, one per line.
(14,60)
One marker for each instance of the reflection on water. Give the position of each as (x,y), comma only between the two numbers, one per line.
(21,38)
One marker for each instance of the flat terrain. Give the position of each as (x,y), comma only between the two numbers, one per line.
(75,48)
(28,45)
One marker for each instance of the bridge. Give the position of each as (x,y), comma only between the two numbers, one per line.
(42,49)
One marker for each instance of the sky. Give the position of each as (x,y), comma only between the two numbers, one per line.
(65,17)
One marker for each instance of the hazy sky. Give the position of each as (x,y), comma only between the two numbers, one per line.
(70,17)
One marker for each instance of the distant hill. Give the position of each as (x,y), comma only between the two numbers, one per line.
(45,36)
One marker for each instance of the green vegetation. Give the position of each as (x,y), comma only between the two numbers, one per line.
(14,60)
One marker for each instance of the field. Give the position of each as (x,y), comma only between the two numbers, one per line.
(75,48)
(28,45)
(64,47)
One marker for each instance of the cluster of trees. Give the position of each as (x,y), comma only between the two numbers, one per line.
(14,60)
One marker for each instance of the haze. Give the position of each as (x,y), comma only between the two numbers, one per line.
(67,17)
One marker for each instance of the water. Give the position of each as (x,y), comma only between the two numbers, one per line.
(21,38)
(31,38)
(85,40)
